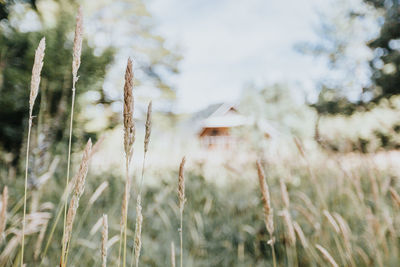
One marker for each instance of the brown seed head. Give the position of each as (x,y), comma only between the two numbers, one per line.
(327,256)
(83,170)
(285,194)
(129,125)
(289,227)
(148,127)
(268,211)
(181,185)
(77,50)
(395,196)
(36,70)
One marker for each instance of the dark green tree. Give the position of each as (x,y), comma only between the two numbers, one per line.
(16,60)
(344,33)
(386,46)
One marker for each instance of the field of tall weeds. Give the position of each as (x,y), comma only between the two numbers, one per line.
(304,208)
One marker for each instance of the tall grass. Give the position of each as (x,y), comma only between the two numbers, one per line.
(76,62)
(319,209)
(139,218)
(182,201)
(35,82)
(129,139)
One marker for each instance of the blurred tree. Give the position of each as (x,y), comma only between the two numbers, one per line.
(343,33)
(281,106)
(386,46)
(6,4)
(17,54)
(21,28)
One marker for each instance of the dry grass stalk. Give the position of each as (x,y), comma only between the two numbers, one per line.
(39,241)
(148,127)
(79,187)
(103,186)
(289,227)
(346,234)
(36,70)
(182,200)
(129,125)
(3,212)
(395,196)
(300,234)
(284,194)
(35,82)
(299,146)
(181,185)
(129,139)
(96,147)
(327,256)
(268,211)
(96,226)
(139,217)
(172,254)
(76,61)
(138,231)
(266,199)
(104,239)
(286,214)
(77,50)
(332,221)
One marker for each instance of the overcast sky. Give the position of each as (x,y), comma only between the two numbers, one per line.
(229,43)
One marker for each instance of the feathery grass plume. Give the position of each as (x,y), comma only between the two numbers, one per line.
(346,234)
(79,187)
(77,50)
(39,241)
(287,219)
(172,254)
(100,189)
(129,139)
(138,231)
(182,200)
(299,146)
(76,62)
(300,234)
(332,221)
(139,218)
(129,124)
(289,227)
(104,239)
(284,194)
(326,255)
(36,70)
(3,212)
(35,82)
(268,211)
(395,196)
(148,127)
(286,214)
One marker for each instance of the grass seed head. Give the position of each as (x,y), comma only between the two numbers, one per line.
(36,70)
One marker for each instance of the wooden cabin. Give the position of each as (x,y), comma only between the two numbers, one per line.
(216,129)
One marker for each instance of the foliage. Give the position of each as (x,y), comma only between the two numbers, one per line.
(16,66)
(342,35)
(386,47)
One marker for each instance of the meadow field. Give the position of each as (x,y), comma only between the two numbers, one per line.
(146,193)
